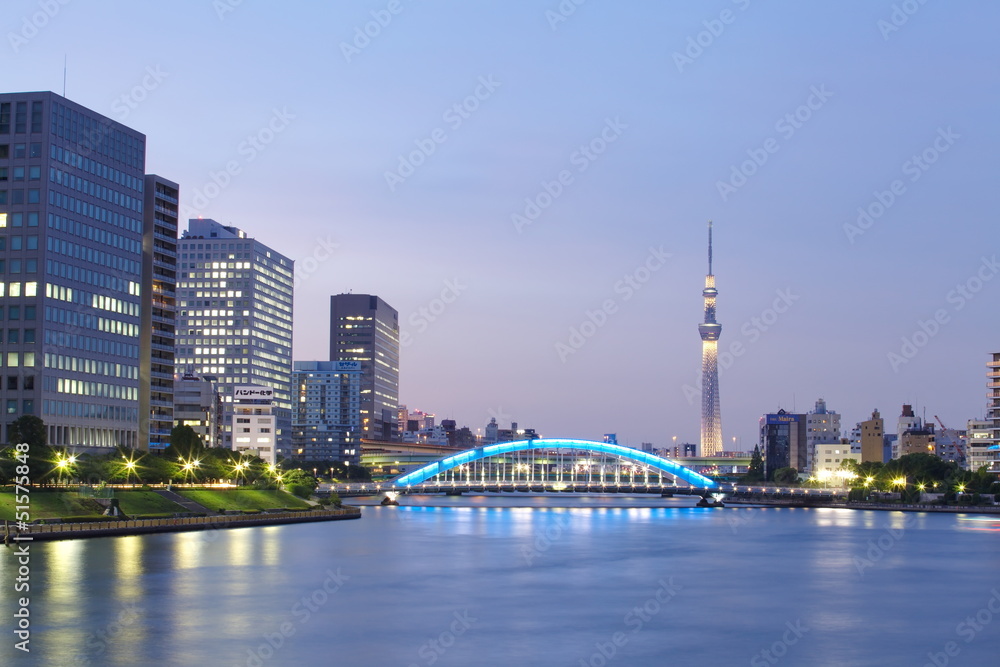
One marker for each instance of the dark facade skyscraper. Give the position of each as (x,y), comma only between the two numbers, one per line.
(365,328)
(159,312)
(711,416)
(71,225)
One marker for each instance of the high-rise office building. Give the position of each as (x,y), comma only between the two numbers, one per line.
(326,425)
(783,441)
(234,322)
(71,233)
(158,316)
(711,417)
(365,328)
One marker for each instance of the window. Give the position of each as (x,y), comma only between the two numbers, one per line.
(15,243)
(33,219)
(18,174)
(20,117)
(28,406)
(17,196)
(4,151)
(3,173)
(16,219)
(29,337)
(32,242)
(36,118)
(15,266)
(29,382)
(14,336)
(34,196)
(14,312)
(13,359)
(30,266)
(12,406)
(34,173)
(35,150)
(19,151)
(11,383)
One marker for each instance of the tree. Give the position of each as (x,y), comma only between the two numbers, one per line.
(185,443)
(756,471)
(29,429)
(786,476)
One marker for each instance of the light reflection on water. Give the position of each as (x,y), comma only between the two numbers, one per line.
(548,581)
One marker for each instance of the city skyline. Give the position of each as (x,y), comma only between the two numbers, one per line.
(557,179)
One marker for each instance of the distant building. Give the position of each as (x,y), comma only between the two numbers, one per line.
(197,403)
(326,425)
(993,408)
(710,330)
(978,441)
(783,441)
(822,427)
(492,432)
(908,421)
(830,457)
(254,422)
(365,328)
(872,439)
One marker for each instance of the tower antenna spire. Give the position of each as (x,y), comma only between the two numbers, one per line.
(709,247)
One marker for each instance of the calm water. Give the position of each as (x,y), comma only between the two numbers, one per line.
(556,581)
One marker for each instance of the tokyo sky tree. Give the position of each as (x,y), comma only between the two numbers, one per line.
(711,418)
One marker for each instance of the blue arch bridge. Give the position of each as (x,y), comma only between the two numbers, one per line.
(547,465)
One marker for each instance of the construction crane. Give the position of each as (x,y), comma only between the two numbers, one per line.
(955,438)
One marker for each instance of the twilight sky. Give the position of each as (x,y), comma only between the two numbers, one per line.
(504,174)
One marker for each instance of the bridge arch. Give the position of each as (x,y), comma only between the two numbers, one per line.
(454,460)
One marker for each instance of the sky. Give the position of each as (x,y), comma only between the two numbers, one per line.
(529,185)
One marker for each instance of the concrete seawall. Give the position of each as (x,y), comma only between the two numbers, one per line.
(70,531)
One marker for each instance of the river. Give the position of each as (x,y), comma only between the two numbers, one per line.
(525,581)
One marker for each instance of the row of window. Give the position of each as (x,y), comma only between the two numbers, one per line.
(93,134)
(101,235)
(16,266)
(95,212)
(15,312)
(74,341)
(88,187)
(87,321)
(18,359)
(92,256)
(85,298)
(19,336)
(93,388)
(18,382)
(34,196)
(33,173)
(21,151)
(27,406)
(79,274)
(65,362)
(20,117)
(17,242)
(17,219)
(90,410)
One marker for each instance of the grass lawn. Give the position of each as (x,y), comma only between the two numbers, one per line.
(49,505)
(145,502)
(241,499)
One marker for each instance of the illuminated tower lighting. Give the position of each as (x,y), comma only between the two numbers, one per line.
(711,418)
